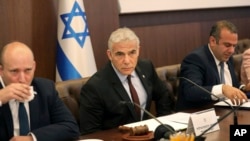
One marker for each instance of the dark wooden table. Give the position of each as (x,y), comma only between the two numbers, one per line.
(221,135)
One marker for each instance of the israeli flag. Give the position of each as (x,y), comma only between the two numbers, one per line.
(75,58)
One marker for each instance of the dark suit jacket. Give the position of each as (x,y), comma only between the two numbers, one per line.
(200,67)
(101,96)
(50,120)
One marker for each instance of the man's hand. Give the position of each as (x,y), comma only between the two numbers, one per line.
(16,91)
(236,96)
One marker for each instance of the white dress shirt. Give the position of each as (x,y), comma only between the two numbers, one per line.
(142,95)
(217,89)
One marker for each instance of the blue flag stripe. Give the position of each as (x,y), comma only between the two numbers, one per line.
(65,68)
(75,58)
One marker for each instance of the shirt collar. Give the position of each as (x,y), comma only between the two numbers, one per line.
(216,60)
(122,77)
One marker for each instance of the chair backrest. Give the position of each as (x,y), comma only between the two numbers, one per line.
(69,92)
(242,45)
(169,75)
(237,65)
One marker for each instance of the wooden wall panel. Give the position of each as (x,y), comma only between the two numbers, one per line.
(44,37)
(103,18)
(164,44)
(34,23)
(166,37)
(15,21)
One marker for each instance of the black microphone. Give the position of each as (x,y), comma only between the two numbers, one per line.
(200,138)
(205,90)
(162,131)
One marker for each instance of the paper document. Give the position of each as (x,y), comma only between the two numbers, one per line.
(179,117)
(245,105)
(178,121)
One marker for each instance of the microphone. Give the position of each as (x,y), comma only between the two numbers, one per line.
(205,90)
(162,131)
(200,138)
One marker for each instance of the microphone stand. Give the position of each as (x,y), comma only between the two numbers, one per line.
(201,138)
(235,114)
(151,115)
(163,130)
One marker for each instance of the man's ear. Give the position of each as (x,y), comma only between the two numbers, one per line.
(1,70)
(139,49)
(108,52)
(212,40)
(34,65)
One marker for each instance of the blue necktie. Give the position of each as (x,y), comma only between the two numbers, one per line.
(222,79)
(23,119)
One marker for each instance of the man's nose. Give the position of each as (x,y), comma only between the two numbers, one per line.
(126,58)
(21,77)
(231,49)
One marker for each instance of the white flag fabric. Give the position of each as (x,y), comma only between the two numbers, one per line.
(75,58)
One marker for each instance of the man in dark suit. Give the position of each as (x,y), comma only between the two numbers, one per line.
(105,100)
(202,66)
(47,117)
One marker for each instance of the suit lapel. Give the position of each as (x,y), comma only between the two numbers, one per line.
(146,86)
(117,85)
(143,80)
(34,108)
(213,64)
(120,90)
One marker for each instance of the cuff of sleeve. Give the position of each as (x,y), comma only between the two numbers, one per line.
(242,88)
(217,90)
(33,136)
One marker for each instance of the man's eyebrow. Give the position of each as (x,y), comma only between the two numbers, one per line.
(227,43)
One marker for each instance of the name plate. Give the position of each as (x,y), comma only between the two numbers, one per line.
(239,132)
(200,121)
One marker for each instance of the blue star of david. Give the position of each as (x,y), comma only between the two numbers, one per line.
(69,31)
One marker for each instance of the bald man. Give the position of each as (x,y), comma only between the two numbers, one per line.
(49,119)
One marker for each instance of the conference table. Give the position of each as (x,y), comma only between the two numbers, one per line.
(220,135)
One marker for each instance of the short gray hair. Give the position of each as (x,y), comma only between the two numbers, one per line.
(122,34)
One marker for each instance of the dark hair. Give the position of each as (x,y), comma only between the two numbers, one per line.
(218,26)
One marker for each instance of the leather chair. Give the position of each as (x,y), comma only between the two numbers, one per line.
(169,75)
(237,65)
(69,92)
(243,45)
